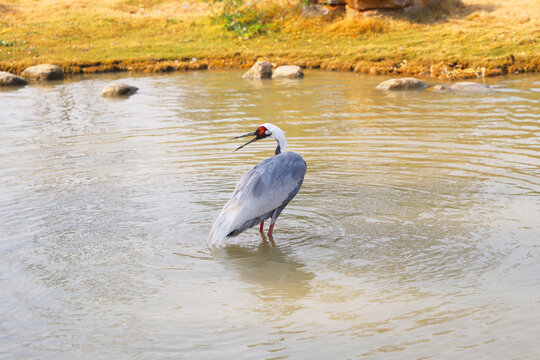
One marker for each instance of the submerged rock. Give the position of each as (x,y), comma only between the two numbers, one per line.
(288,72)
(43,72)
(402,84)
(9,79)
(440,88)
(469,86)
(117,90)
(259,70)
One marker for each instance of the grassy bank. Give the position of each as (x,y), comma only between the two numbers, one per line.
(462,40)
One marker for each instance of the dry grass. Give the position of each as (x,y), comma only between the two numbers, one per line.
(451,40)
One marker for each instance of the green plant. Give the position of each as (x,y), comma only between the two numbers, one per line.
(7,43)
(245,21)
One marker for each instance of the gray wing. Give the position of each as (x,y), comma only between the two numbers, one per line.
(266,187)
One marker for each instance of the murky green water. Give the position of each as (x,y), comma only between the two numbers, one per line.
(416,233)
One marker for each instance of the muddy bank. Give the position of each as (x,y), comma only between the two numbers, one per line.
(448,71)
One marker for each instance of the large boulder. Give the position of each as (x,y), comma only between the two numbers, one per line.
(9,79)
(288,72)
(119,90)
(43,72)
(259,70)
(468,86)
(402,84)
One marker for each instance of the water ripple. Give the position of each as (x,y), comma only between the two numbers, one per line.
(417,220)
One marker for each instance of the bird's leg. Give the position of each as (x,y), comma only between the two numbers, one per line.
(261,228)
(263,236)
(270,230)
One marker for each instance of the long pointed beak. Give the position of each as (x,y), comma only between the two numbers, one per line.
(248,134)
(249,142)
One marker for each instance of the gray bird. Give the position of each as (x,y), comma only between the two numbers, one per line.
(262,192)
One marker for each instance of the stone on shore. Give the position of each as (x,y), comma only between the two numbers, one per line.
(259,70)
(379,4)
(402,84)
(9,79)
(322,11)
(468,86)
(43,72)
(288,72)
(118,90)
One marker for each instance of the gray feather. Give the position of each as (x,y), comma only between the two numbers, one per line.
(274,181)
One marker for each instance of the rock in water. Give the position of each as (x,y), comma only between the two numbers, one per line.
(117,90)
(43,72)
(469,86)
(9,79)
(402,84)
(259,70)
(440,88)
(288,72)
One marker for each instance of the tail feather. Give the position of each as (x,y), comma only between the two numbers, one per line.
(219,232)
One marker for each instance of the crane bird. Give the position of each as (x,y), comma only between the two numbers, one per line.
(262,192)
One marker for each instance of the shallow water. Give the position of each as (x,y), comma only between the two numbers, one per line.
(415,234)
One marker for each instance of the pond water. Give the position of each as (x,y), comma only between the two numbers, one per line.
(416,233)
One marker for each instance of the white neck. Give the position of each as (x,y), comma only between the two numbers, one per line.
(279,136)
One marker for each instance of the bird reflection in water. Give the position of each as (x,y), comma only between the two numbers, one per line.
(274,270)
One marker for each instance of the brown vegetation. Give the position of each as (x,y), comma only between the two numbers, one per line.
(453,39)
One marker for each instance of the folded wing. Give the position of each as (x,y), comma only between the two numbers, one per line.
(264,188)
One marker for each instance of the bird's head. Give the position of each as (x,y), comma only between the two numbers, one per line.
(263,131)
